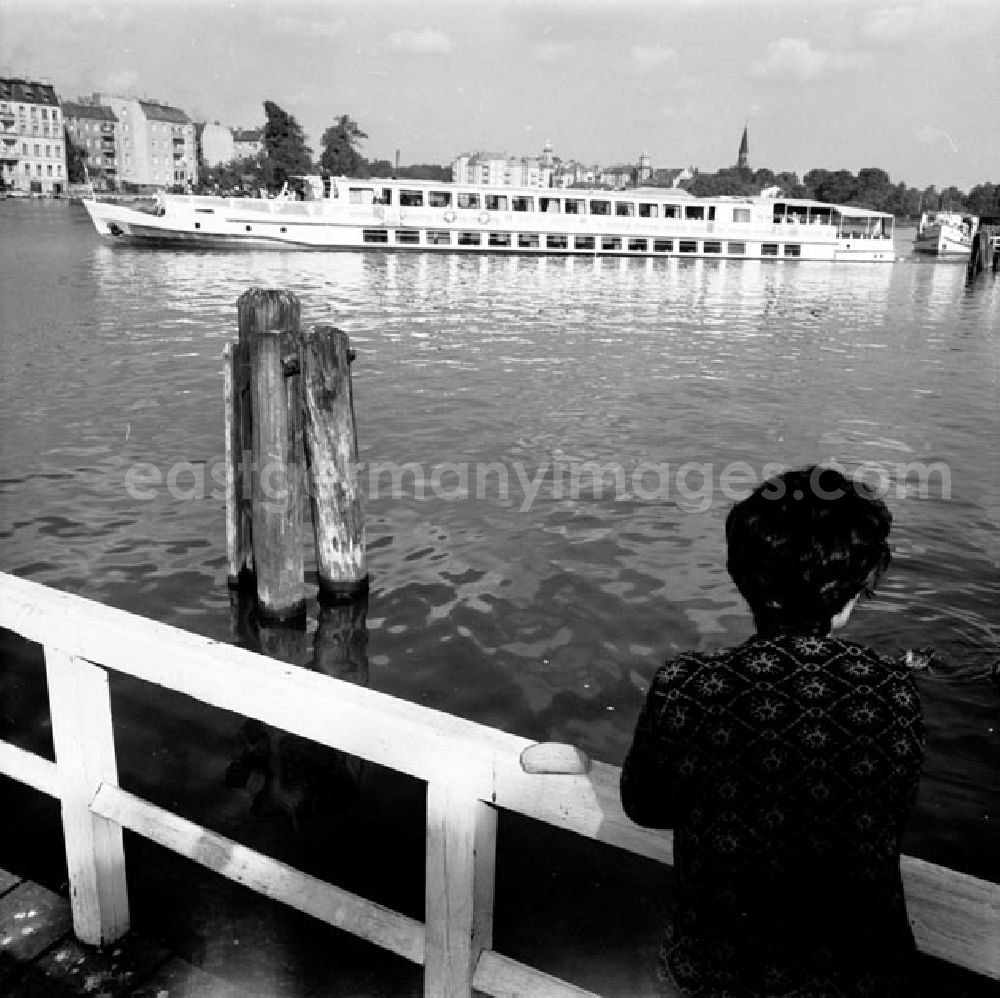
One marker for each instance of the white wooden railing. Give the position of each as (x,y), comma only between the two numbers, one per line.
(470,770)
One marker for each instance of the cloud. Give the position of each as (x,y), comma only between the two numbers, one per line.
(647,58)
(928,21)
(310,28)
(795,60)
(552,52)
(929,136)
(427,41)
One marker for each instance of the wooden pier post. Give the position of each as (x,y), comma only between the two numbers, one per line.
(341,643)
(277,509)
(239,489)
(332,455)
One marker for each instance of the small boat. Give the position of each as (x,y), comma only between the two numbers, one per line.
(326,213)
(945,233)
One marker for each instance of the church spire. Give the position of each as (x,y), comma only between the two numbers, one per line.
(743,161)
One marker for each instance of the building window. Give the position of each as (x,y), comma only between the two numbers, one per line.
(48,152)
(637,245)
(612,243)
(769,249)
(49,171)
(38,149)
(793,249)
(687,246)
(527,240)
(583,242)
(663,245)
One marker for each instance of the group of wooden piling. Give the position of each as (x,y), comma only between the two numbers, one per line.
(985,250)
(290,432)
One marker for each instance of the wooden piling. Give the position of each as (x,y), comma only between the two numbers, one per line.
(239,490)
(331,447)
(341,642)
(277,516)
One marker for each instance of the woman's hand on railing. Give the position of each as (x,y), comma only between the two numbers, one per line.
(554,758)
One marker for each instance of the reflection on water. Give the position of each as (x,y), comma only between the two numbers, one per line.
(543,617)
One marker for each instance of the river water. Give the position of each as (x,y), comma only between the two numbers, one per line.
(541,606)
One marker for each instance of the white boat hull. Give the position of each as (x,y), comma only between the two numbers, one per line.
(324,224)
(944,237)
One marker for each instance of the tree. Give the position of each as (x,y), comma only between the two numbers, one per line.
(874,188)
(984,199)
(285,151)
(76,160)
(340,143)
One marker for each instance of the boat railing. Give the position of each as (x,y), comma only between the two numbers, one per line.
(471,772)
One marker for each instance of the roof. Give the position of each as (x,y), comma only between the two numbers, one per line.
(163,112)
(71,109)
(27,91)
(248,134)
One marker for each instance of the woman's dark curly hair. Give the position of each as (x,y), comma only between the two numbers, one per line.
(804,544)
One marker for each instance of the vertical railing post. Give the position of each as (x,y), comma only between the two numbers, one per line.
(85,755)
(461,861)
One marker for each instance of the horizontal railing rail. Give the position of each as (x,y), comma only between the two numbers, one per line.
(470,770)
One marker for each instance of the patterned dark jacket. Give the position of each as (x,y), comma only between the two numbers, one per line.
(787,768)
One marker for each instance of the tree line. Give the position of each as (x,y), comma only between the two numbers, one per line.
(870,188)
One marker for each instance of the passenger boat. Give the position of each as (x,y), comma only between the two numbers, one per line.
(945,233)
(345,214)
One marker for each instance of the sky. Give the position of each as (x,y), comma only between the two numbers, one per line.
(911,86)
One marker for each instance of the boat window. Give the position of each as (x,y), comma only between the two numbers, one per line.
(793,249)
(438,237)
(769,249)
(600,207)
(742,215)
(712,247)
(550,205)
(468,200)
(557,242)
(375,235)
(523,203)
(647,210)
(687,246)
(436,199)
(671,211)
(711,213)
(694,211)
(361,195)
(626,208)
(469,238)
(496,202)
(736,249)
(386,195)
(576,206)
(638,245)
(408,237)
(527,240)
(663,245)
(499,238)
(611,243)
(411,199)
(583,242)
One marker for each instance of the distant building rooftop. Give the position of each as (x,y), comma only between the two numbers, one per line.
(164,112)
(74,109)
(28,92)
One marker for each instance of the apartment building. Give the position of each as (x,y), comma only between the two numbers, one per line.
(248,143)
(32,142)
(157,146)
(95,129)
(495,168)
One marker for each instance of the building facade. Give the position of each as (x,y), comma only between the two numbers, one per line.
(248,143)
(157,148)
(32,140)
(94,128)
(497,169)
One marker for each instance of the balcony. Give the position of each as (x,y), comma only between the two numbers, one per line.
(8,117)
